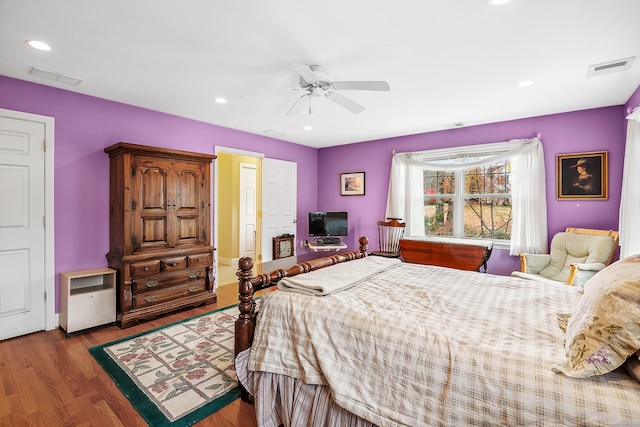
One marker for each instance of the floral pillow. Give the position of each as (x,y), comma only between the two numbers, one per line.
(605,328)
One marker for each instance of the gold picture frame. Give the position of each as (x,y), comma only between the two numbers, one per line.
(352,184)
(582,176)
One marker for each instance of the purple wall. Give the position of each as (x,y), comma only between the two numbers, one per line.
(590,130)
(85,125)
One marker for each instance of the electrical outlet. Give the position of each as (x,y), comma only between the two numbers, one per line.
(302,245)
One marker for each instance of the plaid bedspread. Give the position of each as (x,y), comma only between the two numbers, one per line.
(422,345)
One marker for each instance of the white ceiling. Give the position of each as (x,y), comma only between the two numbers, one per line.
(452,61)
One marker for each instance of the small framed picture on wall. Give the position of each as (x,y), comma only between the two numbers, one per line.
(352,184)
(582,176)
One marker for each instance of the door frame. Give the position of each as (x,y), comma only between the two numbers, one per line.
(214,212)
(242,224)
(51,317)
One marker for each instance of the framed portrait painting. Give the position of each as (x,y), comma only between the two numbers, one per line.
(582,176)
(352,184)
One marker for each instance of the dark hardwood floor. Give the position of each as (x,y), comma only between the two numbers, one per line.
(49,380)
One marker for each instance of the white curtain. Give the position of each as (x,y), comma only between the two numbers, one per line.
(630,198)
(528,202)
(529,207)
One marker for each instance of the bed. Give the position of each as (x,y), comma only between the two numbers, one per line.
(370,341)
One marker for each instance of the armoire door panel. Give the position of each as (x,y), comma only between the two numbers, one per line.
(187,186)
(188,228)
(153,185)
(151,204)
(154,234)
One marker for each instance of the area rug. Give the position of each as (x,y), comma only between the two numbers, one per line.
(178,374)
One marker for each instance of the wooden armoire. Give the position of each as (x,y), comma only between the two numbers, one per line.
(160,230)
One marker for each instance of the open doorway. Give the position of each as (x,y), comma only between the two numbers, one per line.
(237,201)
(247,215)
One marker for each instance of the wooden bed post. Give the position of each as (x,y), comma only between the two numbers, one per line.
(245,324)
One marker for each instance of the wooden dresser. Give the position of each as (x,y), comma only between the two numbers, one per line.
(160,230)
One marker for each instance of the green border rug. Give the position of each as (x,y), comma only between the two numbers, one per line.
(178,374)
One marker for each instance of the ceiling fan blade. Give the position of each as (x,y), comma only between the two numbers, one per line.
(305,72)
(364,85)
(297,106)
(345,102)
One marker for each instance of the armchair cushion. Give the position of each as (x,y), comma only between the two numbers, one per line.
(535,262)
(587,252)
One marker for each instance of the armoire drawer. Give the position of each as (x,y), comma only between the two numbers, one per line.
(145,268)
(162,281)
(168,294)
(175,263)
(200,260)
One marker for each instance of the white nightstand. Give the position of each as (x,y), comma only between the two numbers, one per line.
(87,299)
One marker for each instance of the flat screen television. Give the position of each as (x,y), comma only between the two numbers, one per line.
(328,224)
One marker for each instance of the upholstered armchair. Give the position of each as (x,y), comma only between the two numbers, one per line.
(575,256)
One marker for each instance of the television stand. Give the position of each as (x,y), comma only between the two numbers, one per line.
(328,241)
(327,244)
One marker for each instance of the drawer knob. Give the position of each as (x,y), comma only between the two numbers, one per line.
(194,276)
(151,283)
(146,269)
(173,264)
(151,298)
(193,289)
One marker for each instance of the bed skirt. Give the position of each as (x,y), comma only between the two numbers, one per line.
(285,401)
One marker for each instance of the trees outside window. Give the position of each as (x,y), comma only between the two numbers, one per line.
(470,203)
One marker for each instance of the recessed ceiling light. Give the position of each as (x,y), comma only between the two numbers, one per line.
(38,45)
(498,2)
(525,83)
(307,127)
(221,100)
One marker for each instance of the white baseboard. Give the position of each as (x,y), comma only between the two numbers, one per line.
(227,261)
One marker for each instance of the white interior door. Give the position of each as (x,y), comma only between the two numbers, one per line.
(247,220)
(279,190)
(23,282)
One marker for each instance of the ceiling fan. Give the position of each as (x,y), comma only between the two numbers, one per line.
(317,82)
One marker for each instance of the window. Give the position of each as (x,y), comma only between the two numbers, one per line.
(469,203)
(490,191)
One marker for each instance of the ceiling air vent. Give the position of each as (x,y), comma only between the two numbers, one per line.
(610,66)
(51,75)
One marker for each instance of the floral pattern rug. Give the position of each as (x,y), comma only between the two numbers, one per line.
(177,374)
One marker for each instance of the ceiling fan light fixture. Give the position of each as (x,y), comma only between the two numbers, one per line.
(220,100)
(308,127)
(498,2)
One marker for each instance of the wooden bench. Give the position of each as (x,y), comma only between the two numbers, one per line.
(463,256)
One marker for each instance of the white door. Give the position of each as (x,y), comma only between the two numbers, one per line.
(22,227)
(279,190)
(247,221)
